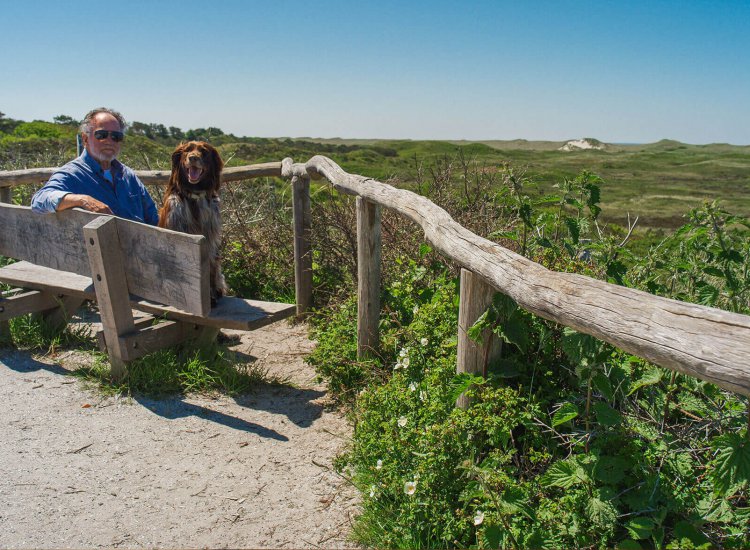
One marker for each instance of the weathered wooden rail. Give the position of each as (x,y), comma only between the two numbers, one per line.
(708,343)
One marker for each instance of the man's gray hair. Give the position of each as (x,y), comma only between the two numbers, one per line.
(89,118)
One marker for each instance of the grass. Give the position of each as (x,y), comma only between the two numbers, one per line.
(179,370)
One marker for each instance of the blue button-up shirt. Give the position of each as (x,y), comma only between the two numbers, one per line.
(126,196)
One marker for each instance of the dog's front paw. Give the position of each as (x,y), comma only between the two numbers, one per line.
(216,294)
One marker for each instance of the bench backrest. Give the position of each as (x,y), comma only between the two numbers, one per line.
(160,265)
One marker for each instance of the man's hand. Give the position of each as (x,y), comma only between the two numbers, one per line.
(83,201)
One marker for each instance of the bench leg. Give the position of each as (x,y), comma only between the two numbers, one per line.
(204,336)
(110,284)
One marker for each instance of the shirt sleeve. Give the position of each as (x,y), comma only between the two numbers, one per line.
(46,199)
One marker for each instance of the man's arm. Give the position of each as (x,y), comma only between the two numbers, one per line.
(71,200)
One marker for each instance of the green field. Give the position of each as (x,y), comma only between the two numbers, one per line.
(658,182)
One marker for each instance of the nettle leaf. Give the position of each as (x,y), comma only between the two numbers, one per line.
(567,412)
(603,385)
(516,331)
(473,490)
(514,501)
(505,367)
(475,330)
(714,271)
(686,532)
(606,415)
(616,270)
(580,348)
(731,256)
(649,377)
(544,242)
(628,544)
(693,404)
(462,382)
(565,474)
(731,464)
(611,469)
(574,228)
(503,305)
(601,512)
(707,294)
(640,528)
(493,537)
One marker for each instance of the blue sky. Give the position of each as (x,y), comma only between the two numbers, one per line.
(619,71)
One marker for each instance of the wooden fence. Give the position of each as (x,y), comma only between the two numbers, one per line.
(708,343)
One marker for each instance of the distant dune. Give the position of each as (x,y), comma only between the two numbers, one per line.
(585,143)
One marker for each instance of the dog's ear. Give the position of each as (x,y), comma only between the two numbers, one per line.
(177,156)
(218,166)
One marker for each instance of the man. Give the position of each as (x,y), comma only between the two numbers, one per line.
(96,180)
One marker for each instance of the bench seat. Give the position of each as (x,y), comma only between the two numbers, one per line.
(230,312)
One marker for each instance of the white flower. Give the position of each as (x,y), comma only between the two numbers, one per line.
(478,519)
(398,365)
(402,421)
(415,310)
(422,395)
(410,487)
(413,386)
(378,464)
(424,341)
(372,491)
(405,362)
(404,352)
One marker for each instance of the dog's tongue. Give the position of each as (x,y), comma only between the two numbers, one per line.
(194,173)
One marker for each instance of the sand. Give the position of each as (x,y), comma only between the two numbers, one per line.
(80,470)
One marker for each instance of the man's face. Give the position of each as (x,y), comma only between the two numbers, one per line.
(104,150)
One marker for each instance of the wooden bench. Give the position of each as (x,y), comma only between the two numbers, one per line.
(75,255)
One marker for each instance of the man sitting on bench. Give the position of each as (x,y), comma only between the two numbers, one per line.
(96,180)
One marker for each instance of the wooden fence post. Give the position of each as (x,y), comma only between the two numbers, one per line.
(475,296)
(368,278)
(302,243)
(5,196)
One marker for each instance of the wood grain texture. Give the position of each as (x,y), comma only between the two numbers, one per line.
(230,312)
(700,341)
(150,338)
(475,297)
(155,177)
(302,243)
(108,273)
(368,278)
(33,301)
(160,265)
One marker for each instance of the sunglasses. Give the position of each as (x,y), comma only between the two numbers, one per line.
(101,135)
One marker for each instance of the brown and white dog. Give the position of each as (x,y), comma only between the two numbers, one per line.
(191,202)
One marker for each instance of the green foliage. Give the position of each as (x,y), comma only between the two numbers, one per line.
(33,333)
(568,442)
(180,370)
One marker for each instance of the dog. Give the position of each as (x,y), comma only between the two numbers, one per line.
(191,203)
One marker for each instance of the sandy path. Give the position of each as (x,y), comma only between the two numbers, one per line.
(78,470)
